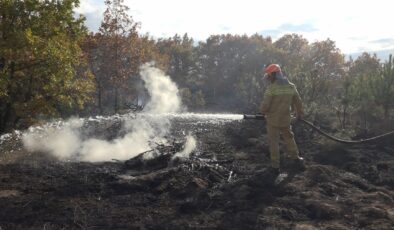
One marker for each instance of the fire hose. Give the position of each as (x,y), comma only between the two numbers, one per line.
(261,117)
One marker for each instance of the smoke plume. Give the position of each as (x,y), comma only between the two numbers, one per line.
(147,128)
(190,145)
(164,93)
(62,143)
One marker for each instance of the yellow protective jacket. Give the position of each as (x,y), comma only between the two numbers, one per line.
(278,100)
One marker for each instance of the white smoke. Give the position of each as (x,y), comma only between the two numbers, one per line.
(142,131)
(134,142)
(164,93)
(190,145)
(62,143)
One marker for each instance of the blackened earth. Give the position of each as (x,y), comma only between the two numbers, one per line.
(225,185)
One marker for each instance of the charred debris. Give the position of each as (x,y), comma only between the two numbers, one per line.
(225,184)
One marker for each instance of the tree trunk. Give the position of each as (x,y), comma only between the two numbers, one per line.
(116,100)
(6,118)
(99,95)
(344,117)
(386,112)
(365,121)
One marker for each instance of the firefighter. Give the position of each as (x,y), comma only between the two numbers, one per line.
(279,98)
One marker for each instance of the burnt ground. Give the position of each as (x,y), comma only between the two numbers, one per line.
(225,185)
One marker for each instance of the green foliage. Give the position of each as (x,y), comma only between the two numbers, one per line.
(199,100)
(383,87)
(316,70)
(186,96)
(361,91)
(231,67)
(181,55)
(39,49)
(194,101)
(371,91)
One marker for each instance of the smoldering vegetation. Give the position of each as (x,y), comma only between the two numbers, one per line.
(222,185)
(72,140)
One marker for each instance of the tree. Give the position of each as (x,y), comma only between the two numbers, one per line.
(231,68)
(182,59)
(318,75)
(383,87)
(43,69)
(353,87)
(90,47)
(365,64)
(116,64)
(294,49)
(362,98)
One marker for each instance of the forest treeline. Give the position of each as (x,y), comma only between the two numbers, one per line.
(52,66)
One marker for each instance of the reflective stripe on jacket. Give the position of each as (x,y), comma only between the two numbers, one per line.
(278,100)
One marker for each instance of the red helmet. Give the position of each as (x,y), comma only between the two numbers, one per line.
(272,68)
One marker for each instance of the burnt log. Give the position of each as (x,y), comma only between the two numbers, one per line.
(154,159)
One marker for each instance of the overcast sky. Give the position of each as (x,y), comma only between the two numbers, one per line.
(355,25)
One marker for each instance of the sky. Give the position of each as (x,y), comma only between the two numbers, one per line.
(355,25)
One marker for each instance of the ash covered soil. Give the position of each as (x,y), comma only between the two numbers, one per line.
(224,185)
